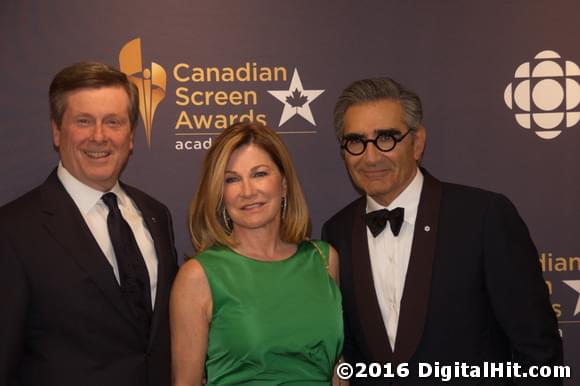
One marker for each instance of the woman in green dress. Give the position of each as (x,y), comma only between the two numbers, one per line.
(259,304)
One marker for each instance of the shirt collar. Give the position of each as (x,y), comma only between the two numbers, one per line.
(408,199)
(83,195)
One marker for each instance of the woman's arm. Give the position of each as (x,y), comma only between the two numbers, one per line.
(190,315)
(333,270)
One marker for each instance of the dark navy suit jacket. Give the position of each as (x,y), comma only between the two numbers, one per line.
(64,321)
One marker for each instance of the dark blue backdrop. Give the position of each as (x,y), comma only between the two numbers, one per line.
(459,56)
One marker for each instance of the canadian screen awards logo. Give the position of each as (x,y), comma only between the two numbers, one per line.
(208,99)
(296,100)
(545,94)
(575,285)
(151,82)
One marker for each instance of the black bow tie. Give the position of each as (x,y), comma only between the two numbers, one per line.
(377,220)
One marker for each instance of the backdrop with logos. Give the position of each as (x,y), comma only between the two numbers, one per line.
(499,82)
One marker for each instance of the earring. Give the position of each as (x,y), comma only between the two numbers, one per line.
(228,224)
(284,207)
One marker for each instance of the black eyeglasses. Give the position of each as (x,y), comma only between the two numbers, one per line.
(357,144)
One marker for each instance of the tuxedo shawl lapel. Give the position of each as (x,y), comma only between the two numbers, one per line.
(415,299)
(63,220)
(159,234)
(367,306)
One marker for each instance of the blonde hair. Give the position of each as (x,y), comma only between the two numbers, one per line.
(206,223)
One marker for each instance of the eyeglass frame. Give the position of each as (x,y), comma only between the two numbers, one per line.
(388,133)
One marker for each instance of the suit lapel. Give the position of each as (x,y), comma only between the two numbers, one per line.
(368,311)
(65,223)
(415,299)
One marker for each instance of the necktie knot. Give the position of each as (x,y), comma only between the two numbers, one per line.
(110,199)
(377,220)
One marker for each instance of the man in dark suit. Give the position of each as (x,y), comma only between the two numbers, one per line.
(430,271)
(86,262)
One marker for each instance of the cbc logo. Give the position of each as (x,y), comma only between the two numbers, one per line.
(545,94)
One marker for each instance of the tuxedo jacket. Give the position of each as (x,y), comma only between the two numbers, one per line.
(473,292)
(64,320)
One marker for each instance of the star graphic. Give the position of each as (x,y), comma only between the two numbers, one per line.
(574,284)
(296,100)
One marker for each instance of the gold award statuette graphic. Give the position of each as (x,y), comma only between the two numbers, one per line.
(151,82)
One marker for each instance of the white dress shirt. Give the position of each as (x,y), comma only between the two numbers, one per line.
(95,212)
(390,255)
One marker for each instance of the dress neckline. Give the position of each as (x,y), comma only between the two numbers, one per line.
(288,258)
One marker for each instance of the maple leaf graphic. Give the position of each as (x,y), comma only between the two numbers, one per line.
(297,99)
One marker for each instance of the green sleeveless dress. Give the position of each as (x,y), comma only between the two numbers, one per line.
(273,322)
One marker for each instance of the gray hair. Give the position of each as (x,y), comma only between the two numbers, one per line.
(375,89)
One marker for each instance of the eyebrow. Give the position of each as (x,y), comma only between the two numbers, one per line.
(252,169)
(116,116)
(390,131)
(82,114)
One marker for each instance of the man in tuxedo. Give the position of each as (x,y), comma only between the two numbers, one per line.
(86,262)
(430,271)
